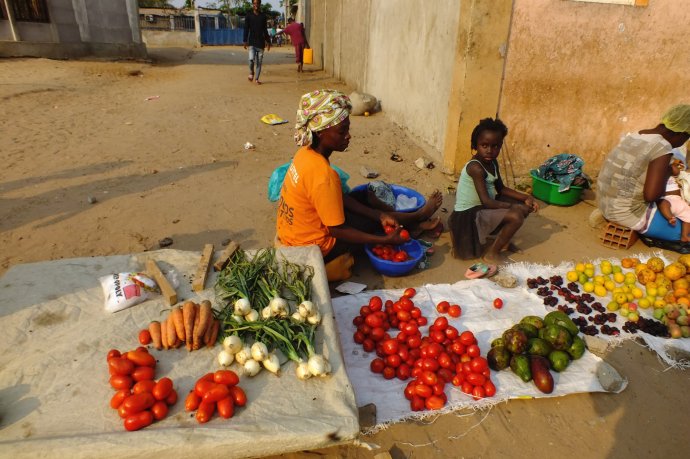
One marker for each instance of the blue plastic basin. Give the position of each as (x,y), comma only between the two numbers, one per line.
(397,190)
(390,268)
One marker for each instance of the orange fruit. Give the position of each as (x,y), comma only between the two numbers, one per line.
(679,292)
(683,300)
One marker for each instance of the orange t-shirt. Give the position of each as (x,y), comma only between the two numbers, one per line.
(311,200)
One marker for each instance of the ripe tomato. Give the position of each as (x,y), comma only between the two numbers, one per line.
(473,350)
(121,382)
(377,365)
(137,403)
(444,360)
(112,354)
(403,316)
(118,398)
(192,401)
(442,307)
(417,403)
(445,374)
(368,345)
(357,321)
(205,411)
(226,377)
(467,338)
(413,342)
(364,311)
(405,234)
(428,377)
(375,303)
(478,364)
(438,387)
(421,321)
(454,310)
(489,389)
(377,334)
(141,358)
(410,328)
(441,323)
(162,388)
(138,421)
(144,386)
(120,366)
(478,392)
(202,386)
(437,336)
(458,379)
(409,292)
(423,391)
(415,312)
(144,337)
(451,332)
(434,403)
(475,379)
(216,394)
(238,396)
(403,372)
(498,303)
(388,229)
(409,390)
(393,360)
(389,373)
(226,408)
(172,398)
(358,337)
(143,373)
(434,350)
(159,410)
(391,346)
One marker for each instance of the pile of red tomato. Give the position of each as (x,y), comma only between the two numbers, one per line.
(139,399)
(390,253)
(443,356)
(215,391)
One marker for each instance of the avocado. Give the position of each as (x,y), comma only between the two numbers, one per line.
(515,340)
(498,358)
(520,366)
(535,321)
(557,336)
(530,330)
(562,319)
(577,349)
(559,360)
(538,346)
(540,372)
(497,342)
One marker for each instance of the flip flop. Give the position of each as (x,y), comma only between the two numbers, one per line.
(395,157)
(479,270)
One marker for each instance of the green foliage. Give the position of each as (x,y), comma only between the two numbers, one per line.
(155,4)
(245,7)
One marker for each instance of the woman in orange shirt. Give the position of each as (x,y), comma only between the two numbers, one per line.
(312,207)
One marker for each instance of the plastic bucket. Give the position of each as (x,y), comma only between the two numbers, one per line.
(548,192)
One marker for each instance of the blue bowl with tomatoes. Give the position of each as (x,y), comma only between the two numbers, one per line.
(398,190)
(415,253)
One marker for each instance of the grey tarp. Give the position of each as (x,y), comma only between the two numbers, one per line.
(54,391)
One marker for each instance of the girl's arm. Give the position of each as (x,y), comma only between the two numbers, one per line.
(476,171)
(658,172)
(503,190)
(355,236)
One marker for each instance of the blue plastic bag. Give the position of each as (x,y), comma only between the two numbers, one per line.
(275,182)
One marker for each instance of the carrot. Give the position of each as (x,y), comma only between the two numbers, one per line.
(164,334)
(172,334)
(214,333)
(205,318)
(155,330)
(178,321)
(188,313)
(197,318)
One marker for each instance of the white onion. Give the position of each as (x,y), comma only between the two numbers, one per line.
(297,317)
(225,358)
(302,371)
(259,351)
(306,308)
(272,363)
(318,365)
(279,306)
(266,313)
(232,344)
(315,318)
(251,368)
(252,316)
(242,307)
(238,319)
(243,355)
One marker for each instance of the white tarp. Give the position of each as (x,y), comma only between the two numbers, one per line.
(54,391)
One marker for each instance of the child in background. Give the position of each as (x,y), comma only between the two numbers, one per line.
(483,203)
(672,205)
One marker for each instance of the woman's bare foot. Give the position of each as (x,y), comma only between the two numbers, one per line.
(512,248)
(433,225)
(433,202)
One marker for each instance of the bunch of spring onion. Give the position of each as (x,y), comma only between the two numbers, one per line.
(298,282)
(251,359)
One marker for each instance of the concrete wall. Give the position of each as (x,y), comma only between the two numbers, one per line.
(401,52)
(169,38)
(78,28)
(579,75)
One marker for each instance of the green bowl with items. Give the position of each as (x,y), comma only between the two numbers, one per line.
(548,192)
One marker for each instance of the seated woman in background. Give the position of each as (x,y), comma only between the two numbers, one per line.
(634,176)
(313,208)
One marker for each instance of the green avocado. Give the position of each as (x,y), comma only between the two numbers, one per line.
(530,330)
(559,360)
(556,336)
(497,342)
(562,319)
(538,346)
(535,321)
(520,366)
(498,358)
(577,349)
(515,340)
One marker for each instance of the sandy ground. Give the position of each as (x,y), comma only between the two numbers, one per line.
(91,167)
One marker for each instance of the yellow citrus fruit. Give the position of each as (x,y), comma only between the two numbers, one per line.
(637,292)
(588,287)
(661,290)
(572,276)
(640,267)
(618,277)
(617,269)
(644,303)
(660,303)
(600,290)
(620,298)
(583,278)
(651,299)
(651,291)
(580,267)
(613,306)
(589,272)
(606,269)
(610,285)
(599,280)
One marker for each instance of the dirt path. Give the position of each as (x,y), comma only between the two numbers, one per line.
(105,158)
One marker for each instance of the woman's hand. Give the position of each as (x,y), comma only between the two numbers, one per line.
(395,237)
(388,220)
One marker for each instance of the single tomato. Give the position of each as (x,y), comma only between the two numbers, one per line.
(498,303)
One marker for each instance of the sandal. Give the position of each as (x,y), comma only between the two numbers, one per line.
(395,157)
(479,270)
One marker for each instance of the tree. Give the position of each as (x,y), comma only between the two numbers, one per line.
(154,4)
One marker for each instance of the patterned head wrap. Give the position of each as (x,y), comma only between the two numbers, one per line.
(320,110)
(677,119)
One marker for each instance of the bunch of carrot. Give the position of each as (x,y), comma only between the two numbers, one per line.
(192,324)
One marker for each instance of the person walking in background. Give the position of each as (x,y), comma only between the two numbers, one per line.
(256,37)
(299,40)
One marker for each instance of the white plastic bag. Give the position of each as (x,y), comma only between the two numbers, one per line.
(403,202)
(124,290)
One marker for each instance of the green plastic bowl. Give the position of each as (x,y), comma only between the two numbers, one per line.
(548,192)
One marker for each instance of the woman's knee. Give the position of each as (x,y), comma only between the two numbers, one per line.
(514,216)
